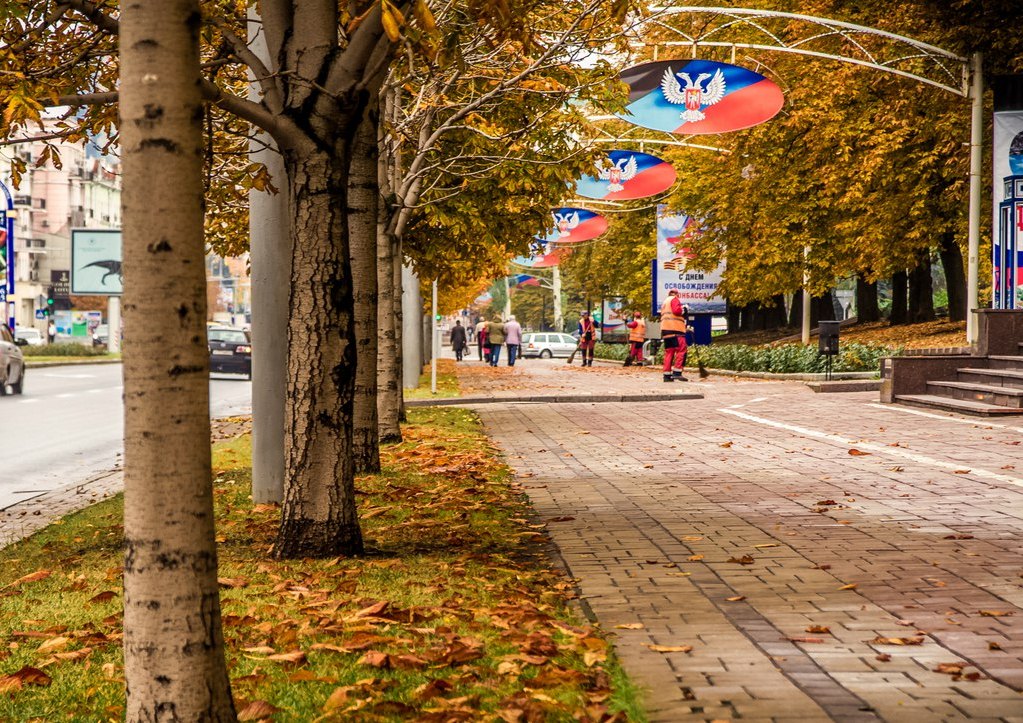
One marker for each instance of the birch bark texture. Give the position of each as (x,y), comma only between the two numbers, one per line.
(173,642)
(363,195)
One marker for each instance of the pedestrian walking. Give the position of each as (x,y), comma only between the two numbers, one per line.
(481,332)
(51,332)
(587,338)
(458,340)
(637,336)
(512,338)
(673,337)
(495,332)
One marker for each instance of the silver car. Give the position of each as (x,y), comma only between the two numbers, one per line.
(547,344)
(12,362)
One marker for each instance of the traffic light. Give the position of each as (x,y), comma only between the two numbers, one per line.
(49,301)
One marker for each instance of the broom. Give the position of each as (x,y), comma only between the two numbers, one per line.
(702,369)
(571,357)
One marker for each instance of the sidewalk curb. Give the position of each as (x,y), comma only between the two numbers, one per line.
(796,377)
(562,399)
(69,363)
(28,516)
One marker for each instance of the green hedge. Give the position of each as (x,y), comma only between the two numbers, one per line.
(64,349)
(780,359)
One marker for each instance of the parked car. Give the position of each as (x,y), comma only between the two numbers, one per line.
(230,350)
(31,335)
(547,344)
(12,362)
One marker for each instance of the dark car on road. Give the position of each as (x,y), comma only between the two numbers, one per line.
(230,350)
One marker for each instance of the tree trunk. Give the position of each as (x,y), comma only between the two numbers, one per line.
(866,300)
(955,277)
(900,311)
(774,316)
(747,316)
(822,309)
(388,359)
(399,323)
(363,194)
(796,310)
(318,518)
(732,317)
(921,290)
(389,392)
(173,643)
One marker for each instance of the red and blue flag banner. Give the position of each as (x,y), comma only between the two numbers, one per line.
(694,97)
(520,280)
(572,225)
(627,175)
(541,257)
(540,262)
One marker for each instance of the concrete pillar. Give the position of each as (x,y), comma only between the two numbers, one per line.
(411,329)
(270,259)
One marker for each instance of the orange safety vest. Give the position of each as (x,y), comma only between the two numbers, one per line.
(638,333)
(670,323)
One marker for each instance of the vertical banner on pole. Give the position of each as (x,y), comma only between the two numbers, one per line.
(6,251)
(697,289)
(1007,226)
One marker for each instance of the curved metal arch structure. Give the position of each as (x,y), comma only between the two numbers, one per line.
(872,48)
(821,38)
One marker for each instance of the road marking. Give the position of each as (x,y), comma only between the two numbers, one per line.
(28,401)
(70,376)
(957,420)
(65,395)
(878,448)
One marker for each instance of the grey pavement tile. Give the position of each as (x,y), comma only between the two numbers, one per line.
(720,502)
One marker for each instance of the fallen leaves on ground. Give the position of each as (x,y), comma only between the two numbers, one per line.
(455,588)
(670,648)
(879,640)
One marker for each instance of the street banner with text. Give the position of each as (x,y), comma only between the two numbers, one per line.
(697,289)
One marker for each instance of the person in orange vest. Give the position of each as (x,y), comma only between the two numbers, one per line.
(673,336)
(637,335)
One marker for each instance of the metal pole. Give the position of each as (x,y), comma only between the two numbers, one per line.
(507,297)
(436,338)
(559,323)
(113,324)
(806,297)
(976,159)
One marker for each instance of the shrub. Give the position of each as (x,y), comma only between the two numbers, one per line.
(780,359)
(793,358)
(64,349)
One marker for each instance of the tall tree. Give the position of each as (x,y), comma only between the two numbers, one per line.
(173,644)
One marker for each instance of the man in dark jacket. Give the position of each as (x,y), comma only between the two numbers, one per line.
(458,340)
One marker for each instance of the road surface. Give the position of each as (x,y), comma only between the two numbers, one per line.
(68,425)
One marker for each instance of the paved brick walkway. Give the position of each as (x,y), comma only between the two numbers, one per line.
(783,534)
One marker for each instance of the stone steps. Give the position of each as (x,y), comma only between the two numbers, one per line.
(963,406)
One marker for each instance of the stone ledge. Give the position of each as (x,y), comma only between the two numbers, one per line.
(864,385)
(70,362)
(562,399)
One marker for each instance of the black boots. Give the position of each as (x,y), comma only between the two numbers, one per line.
(628,362)
(668,377)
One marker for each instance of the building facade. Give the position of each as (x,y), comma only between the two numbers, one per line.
(85,192)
